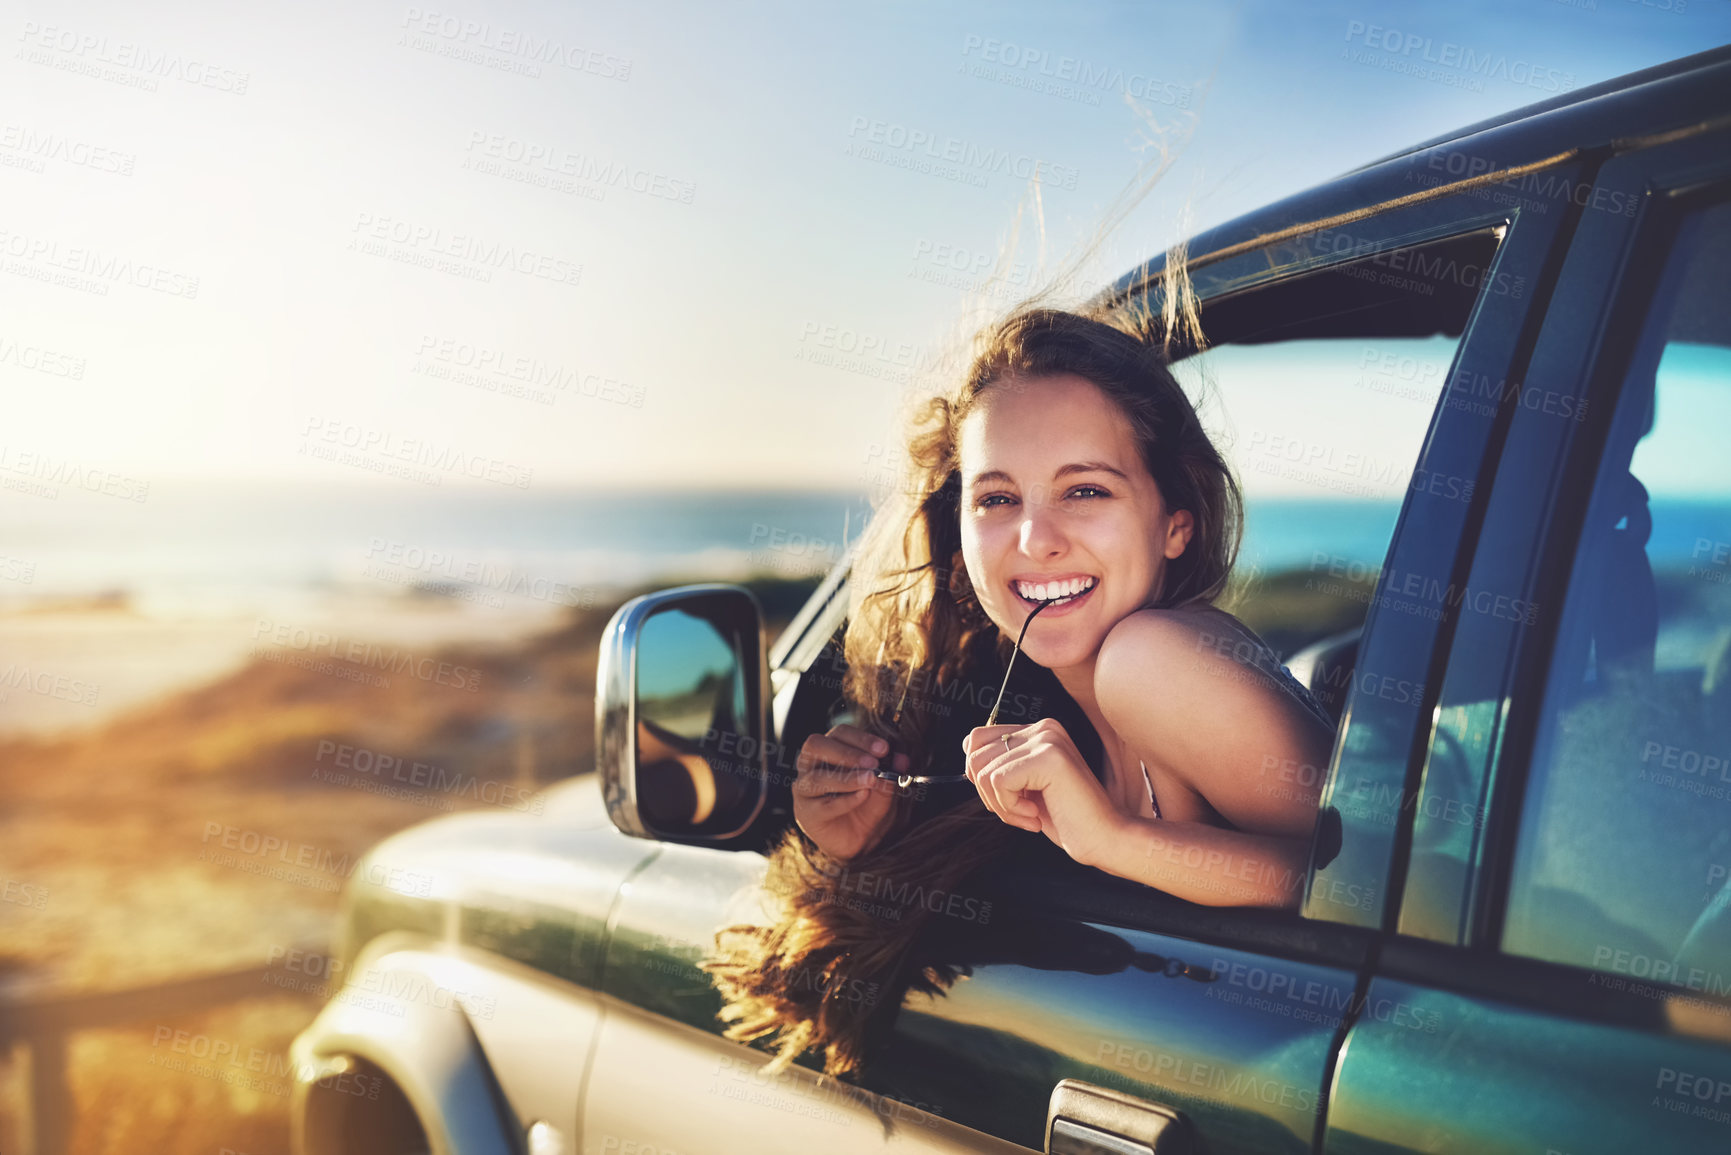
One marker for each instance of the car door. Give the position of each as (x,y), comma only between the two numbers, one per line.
(1564,920)
(1229,1018)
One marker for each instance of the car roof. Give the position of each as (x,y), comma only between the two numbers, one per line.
(1611,116)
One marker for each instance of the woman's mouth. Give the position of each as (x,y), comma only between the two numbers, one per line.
(1063,596)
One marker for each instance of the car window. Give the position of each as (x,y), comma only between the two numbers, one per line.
(1323,436)
(1624,839)
(1320,395)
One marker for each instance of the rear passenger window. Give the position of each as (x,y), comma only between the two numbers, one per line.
(1623,862)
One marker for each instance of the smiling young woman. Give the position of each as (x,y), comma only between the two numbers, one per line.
(1060,500)
(1067,473)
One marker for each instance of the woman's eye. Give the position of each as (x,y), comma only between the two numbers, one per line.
(986,501)
(1077,492)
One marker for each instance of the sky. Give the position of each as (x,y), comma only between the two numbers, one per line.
(644,245)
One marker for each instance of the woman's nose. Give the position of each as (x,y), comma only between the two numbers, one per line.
(1041,533)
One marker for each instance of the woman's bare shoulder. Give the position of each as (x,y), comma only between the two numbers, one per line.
(1195,656)
(1163,635)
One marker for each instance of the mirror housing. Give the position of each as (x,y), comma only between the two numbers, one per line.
(681,686)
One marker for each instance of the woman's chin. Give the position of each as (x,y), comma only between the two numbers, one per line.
(1056,654)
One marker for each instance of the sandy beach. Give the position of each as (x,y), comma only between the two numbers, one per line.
(117,845)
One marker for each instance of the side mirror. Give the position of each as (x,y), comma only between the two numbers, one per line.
(680,687)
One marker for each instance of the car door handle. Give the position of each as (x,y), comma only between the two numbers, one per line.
(1083,1119)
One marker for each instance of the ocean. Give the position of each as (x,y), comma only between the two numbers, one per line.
(194,550)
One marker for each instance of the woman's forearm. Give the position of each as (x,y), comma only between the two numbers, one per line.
(1208,864)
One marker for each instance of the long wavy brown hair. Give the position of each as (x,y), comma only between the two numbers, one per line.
(813,975)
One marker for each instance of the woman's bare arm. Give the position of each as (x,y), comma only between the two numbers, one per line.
(1207,864)
(1167,683)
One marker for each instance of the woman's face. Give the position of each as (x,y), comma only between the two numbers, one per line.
(1054,490)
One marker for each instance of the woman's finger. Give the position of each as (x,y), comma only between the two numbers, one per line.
(1011,778)
(822,783)
(851,735)
(987,781)
(980,737)
(821,752)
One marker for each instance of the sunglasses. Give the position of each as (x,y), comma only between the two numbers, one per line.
(906,780)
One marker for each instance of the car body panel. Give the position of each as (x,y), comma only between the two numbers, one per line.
(1496,1079)
(668,1087)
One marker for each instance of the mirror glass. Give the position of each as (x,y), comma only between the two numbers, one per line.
(698,749)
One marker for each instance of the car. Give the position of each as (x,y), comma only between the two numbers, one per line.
(1516,926)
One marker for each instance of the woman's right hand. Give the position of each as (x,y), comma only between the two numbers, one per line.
(838,800)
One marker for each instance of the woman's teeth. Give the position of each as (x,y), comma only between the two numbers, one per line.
(1056,592)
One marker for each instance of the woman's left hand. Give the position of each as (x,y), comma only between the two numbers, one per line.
(1042,783)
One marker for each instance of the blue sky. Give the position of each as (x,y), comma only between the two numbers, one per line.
(355,238)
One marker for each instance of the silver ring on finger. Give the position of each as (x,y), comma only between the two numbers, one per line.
(1005,738)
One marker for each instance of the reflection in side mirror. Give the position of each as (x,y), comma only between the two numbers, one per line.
(680,714)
